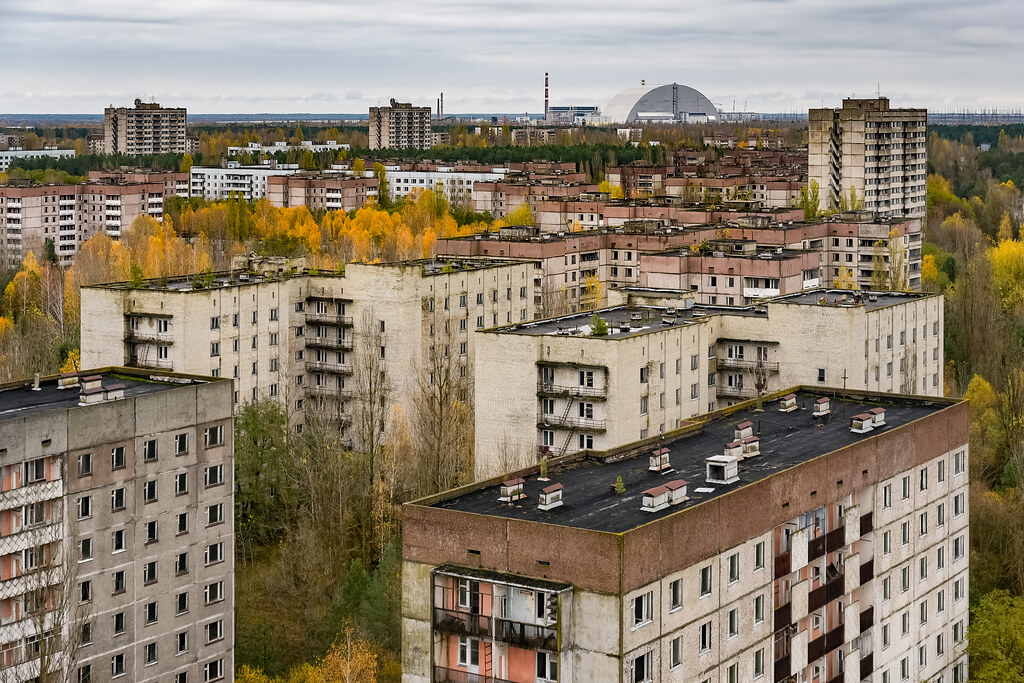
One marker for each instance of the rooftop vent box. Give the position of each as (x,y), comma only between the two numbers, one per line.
(668,320)
(734,449)
(751,447)
(877,416)
(636,316)
(655,499)
(113,392)
(551,497)
(821,407)
(861,424)
(723,469)
(512,490)
(660,461)
(676,491)
(68,380)
(743,430)
(787,403)
(91,395)
(92,382)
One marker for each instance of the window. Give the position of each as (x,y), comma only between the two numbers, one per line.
(959,463)
(885,636)
(149,654)
(116,499)
(923,523)
(117,541)
(759,663)
(181,644)
(887,496)
(214,349)
(758,609)
(905,579)
(119,623)
(84,464)
(734,567)
(958,548)
(182,523)
(214,592)
(643,375)
(85,591)
(923,568)
(940,474)
(181,564)
(958,505)
(215,322)
(181,603)
(117,665)
(117,458)
(214,553)
(642,608)
(149,573)
(643,669)
(905,533)
(734,622)
(149,450)
(675,592)
(213,436)
(675,653)
(643,405)
(213,475)
(150,612)
(85,549)
(469,651)
(940,602)
(181,483)
(886,588)
(85,507)
(906,487)
(213,671)
(705,581)
(694,391)
(705,636)
(940,557)
(821,374)
(215,514)
(759,556)
(923,608)
(940,515)
(905,623)
(924,479)
(180,443)
(85,673)
(149,491)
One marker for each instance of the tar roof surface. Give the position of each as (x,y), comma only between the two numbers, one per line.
(19,401)
(834,298)
(787,440)
(653,318)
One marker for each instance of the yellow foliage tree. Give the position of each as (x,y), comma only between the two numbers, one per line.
(617,192)
(1005,231)
(845,279)
(73,363)
(521,215)
(929,272)
(1007,260)
(605,187)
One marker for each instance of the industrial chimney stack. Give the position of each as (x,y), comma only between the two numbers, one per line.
(545,95)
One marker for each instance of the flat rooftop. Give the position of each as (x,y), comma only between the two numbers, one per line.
(849,298)
(622,322)
(786,441)
(20,399)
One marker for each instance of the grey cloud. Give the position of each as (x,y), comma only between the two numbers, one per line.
(490,55)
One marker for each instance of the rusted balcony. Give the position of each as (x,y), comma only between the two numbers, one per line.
(736,392)
(329,319)
(550,389)
(529,636)
(571,421)
(331,368)
(742,364)
(329,343)
(782,565)
(822,595)
(822,645)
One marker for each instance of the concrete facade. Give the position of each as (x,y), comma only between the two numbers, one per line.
(147,128)
(9,155)
(234,180)
(550,387)
(70,214)
(283,332)
(787,575)
(117,495)
(878,151)
(400,126)
(327,192)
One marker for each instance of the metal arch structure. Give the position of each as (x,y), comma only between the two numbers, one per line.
(666,103)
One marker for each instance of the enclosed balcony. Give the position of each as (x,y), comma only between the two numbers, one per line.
(464,623)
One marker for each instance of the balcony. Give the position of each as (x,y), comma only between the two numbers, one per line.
(867,572)
(760,292)
(549,389)
(327,392)
(783,617)
(867,619)
(828,543)
(822,595)
(866,523)
(31,493)
(443,675)
(528,636)
(867,666)
(329,319)
(741,364)
(149,363)
(329,343)
(154,337)
(569,421)
(331,368)
(822,645)
(736,392)
(782,565)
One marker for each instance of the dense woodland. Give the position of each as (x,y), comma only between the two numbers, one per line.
(318,594)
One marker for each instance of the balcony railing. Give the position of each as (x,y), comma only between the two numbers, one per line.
(743,364)
(150,363)
(822,645)
(738,392)
(443,675)
(822,595)
(570,390)
(156,337)
(329,319)
(529,636)
(867,571)
(867,619)
(572,421)
(783,617)
(329,392)
(333,368)
(867,666)
(329,343)
(866,523)
(782,565)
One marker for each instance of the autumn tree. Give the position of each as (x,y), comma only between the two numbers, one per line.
(383,186)
(810,201)
(845,279)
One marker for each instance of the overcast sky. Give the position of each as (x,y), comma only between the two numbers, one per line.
(341,56)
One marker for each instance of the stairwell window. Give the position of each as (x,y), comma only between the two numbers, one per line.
(642,668)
